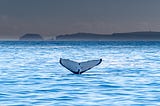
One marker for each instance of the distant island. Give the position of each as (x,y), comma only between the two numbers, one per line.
(130,36)
(31,37)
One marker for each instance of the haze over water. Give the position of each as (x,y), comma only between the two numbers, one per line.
(30,74)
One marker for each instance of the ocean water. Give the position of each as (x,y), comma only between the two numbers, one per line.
(30,74)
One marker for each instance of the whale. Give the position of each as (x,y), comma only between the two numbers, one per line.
(79,67)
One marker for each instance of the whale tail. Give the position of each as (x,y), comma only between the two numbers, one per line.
(79,68)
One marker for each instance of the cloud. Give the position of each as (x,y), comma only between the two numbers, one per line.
(3,17)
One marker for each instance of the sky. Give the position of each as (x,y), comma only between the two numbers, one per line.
(55,17)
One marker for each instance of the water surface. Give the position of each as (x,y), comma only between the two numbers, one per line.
(30,74)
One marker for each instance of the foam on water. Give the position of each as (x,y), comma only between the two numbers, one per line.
(30,74)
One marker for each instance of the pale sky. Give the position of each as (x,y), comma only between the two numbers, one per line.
(54,17)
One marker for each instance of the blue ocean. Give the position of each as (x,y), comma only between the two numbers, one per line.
(30,73)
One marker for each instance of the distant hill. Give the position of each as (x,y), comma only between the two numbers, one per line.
(131,36)
(31,37)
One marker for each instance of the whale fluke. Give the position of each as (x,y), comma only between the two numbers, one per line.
(79,68)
